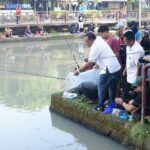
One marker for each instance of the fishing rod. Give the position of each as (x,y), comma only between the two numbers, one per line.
(71,51)
(33,74)
(73,55)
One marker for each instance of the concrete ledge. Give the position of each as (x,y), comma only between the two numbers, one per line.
(58,36)
(105,124)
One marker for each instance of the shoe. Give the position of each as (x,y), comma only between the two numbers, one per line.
(110,108)
(106,103)
(98,108)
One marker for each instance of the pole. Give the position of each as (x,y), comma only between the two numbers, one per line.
(139,13)
(47,7)
(35,5)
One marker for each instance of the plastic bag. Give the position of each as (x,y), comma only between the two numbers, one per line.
(73,81)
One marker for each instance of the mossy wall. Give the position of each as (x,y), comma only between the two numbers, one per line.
(19,30)
(53,36)
(122,131)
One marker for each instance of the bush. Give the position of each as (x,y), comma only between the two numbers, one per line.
(140,133)
(95,13)
(59,14)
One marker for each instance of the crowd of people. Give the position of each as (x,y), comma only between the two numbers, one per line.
(119,82)
(40,31)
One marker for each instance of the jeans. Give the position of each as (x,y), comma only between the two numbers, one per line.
(107,83)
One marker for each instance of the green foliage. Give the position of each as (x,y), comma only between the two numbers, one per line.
(95,13)
(59,14)
(140,133)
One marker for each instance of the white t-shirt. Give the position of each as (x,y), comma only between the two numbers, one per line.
(133,54)
(102,54)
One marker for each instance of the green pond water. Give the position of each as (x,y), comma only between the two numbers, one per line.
(25,120)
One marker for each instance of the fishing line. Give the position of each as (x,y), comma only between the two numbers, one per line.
(72,54)
(71,51)
(33,74)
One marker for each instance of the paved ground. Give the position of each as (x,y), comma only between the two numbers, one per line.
(53,23)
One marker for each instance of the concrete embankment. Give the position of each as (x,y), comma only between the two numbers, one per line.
(53,36)
(130,133)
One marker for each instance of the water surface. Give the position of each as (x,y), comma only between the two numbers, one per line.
(26,123)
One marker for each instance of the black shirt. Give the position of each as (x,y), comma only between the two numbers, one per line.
(137,103)
(81,18)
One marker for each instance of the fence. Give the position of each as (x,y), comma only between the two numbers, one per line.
(146,84)
(69,17)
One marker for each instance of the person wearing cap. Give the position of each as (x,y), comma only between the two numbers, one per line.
(103,31)
(138,34)
(134,105)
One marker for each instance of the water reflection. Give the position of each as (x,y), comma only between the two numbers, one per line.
(25,91)
(25,99)
(85,136)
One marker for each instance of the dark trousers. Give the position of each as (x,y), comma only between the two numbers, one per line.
(17,19)
(107,82)
(126,90)
(88,89)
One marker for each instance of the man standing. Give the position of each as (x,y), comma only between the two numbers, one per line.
(90,40)
(81,18)
(18,14)
(103,31)
(134,51)
(138,34)
(108,65)
(40,13)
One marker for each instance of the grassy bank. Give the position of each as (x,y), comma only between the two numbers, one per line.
(130,133)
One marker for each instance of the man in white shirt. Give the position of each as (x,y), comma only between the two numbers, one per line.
(108,64)
(134,51)
(90,39)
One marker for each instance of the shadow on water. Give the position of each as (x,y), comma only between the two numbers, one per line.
(85,136)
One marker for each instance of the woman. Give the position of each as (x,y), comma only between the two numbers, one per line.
(28,32)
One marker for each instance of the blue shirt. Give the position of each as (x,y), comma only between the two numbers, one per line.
(138,36)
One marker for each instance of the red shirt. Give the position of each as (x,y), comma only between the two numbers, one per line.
(113,43)
(18,12)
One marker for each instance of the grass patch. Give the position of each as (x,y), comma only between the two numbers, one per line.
(140,133)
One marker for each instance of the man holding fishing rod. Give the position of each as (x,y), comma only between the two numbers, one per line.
(103,58)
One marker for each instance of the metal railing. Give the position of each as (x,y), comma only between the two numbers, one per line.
(69,17)
(145,87)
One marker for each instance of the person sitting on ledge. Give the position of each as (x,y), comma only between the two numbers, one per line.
(40,31)
(28,32)
(134,105)
(8,32)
